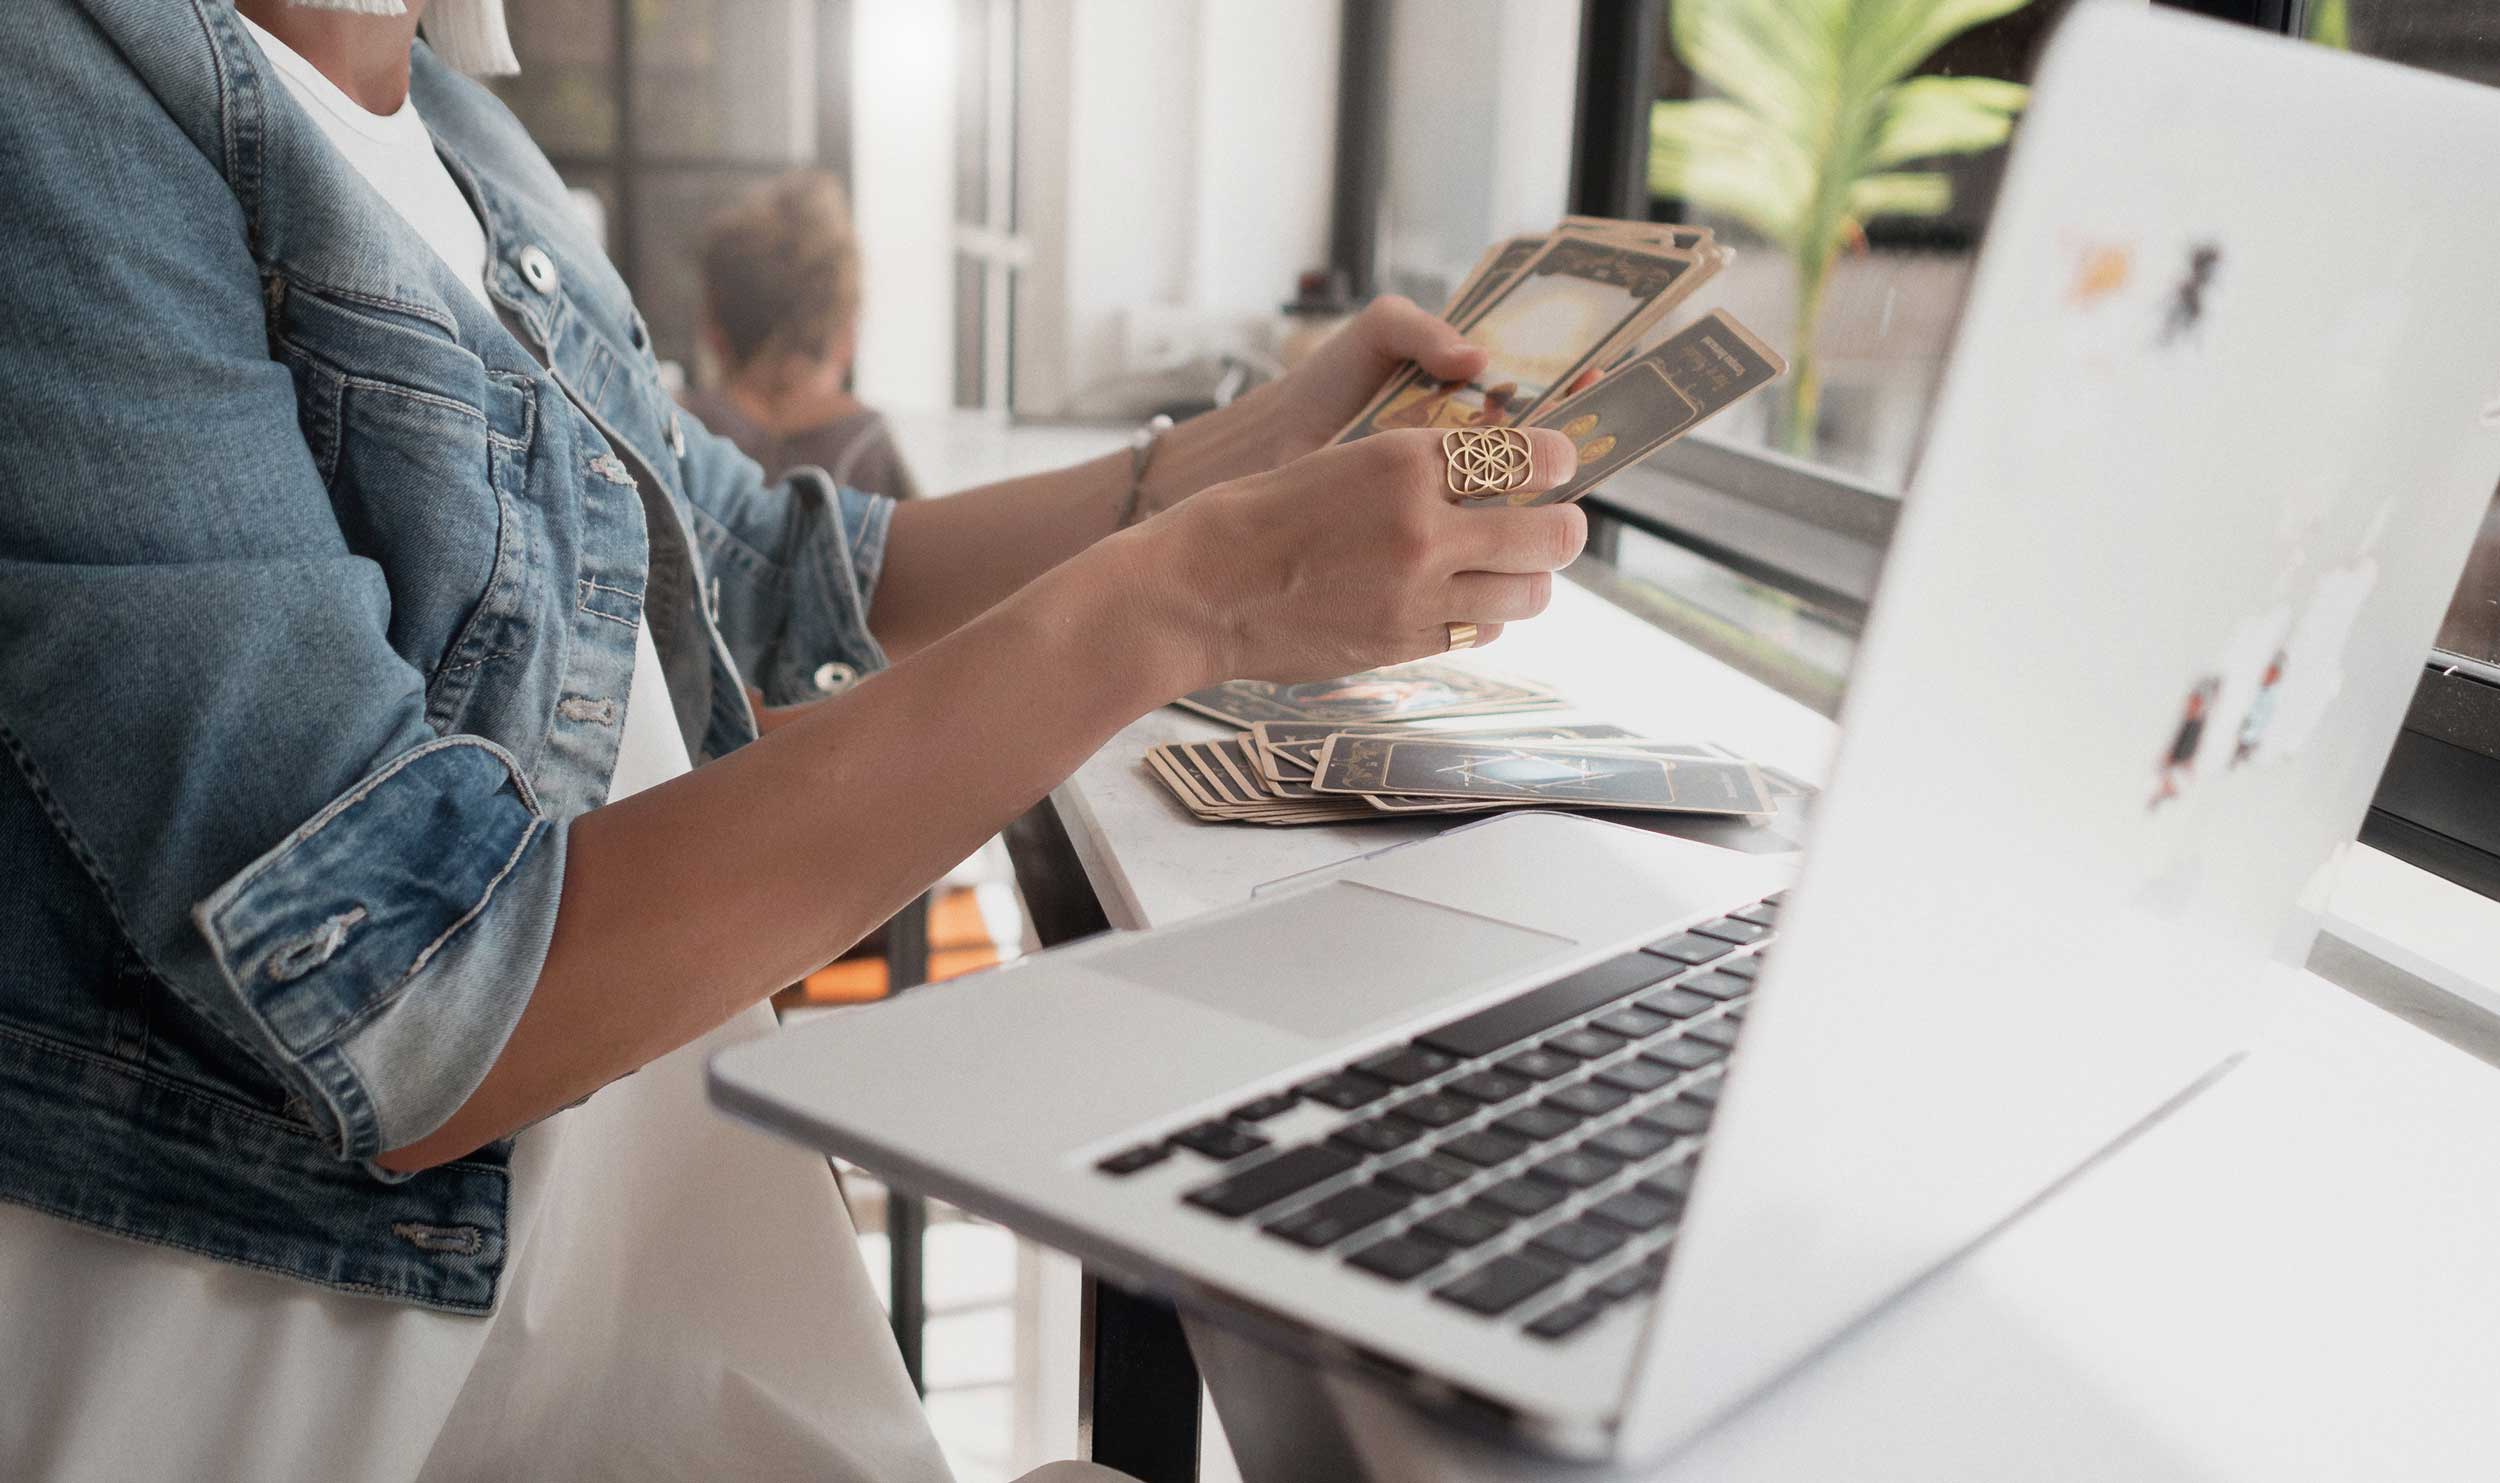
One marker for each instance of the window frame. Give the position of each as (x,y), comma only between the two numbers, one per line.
(1807,530)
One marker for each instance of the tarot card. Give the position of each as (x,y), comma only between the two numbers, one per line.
(1290,749)
(1498,266)
(1573,776)
(1673,234)
(1182,776)
(1560,314)
(1406,692)
(1696,373)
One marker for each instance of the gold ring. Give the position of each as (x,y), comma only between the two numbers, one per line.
(1486,460)
(1462,636)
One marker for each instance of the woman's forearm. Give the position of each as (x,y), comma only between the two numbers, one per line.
(687,902)
(949,560)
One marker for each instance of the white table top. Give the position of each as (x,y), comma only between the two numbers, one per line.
(1151,863)
(2294,1276)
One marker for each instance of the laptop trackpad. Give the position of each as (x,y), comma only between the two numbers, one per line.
(1326,962)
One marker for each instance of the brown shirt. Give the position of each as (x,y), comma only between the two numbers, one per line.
(857,450)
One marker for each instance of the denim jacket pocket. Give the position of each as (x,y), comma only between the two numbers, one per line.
(423,451)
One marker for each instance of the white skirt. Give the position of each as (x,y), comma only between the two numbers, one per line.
(683,1299)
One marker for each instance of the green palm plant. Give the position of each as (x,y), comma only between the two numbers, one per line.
(1819,110)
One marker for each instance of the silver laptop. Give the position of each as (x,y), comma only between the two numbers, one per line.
(1591,1132)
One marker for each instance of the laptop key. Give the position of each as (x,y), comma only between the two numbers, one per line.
(1719,985)
(1632,1022)
(1344,1091)
(1580,1242)
(1563,1322)
(1634,1211)
(1340,1215)
(1670,1184)
(1380,1135)
(1539,1064)
(1586,1043)
(1686,1054)
(1406,1065)
(1499,1285)
(1631,1282)
(1462,1228)
(1630,1142)
(1675,1117)
(1519,1197)
(1433,1110)
(1705,1093)
(1683,1004)
(1536,1124)
(1289,1173)
(1576,1169)
(1588,1099)
(1130,1160)
(1761,914)
(1687,947)
(1399,1259)
(1488,1087)
(1718,1032)
(1427,1175)
(1260,1109)
(1636,1075)
(1540,1009)
(1735,930)
(1485,1148)
(1219,1140)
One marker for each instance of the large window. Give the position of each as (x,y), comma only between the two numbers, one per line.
(662,112)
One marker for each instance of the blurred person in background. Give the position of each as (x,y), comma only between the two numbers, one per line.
(781,305)
(386,835)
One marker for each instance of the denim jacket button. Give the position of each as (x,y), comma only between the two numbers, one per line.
(832,677)
(539,269)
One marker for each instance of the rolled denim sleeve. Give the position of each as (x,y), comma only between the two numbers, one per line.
(794,565)
(197,681)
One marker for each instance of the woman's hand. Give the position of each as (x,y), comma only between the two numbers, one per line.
(1352,557)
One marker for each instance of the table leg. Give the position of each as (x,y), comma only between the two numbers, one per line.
(907,1216)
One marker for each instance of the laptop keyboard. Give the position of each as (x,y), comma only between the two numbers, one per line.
(1529,1162)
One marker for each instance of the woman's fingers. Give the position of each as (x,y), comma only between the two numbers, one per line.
(1498,597)
(1400,331)
(1526,538)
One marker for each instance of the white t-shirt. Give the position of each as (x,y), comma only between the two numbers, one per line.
(682,1298)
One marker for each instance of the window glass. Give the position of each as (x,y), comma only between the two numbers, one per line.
(725,79)
(1769,634)
(2462,39)
(565,91)
(1853,181)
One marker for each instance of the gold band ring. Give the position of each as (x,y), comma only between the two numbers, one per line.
(1462,636)
(1486,460)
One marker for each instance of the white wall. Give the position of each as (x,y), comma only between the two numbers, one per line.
(1174,156)
(1480,100)
(903,198)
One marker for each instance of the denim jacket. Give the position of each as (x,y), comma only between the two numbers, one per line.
(318,593)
